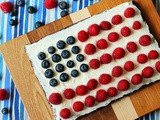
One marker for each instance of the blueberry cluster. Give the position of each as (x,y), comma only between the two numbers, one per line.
(63,6)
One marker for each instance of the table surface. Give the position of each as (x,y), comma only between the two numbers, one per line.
(26,24)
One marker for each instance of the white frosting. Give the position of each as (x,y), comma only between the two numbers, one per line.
(51,40)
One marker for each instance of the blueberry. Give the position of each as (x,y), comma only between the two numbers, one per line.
(75,49)
(74,73)
(61,44)
(45,64)
(53,82)
(64,13)
(14,13)
(59,68)
(80,57)
(38,24)
(70,64)
(65,54)
(64,77)
(20,3)
(56,58)
(49,73)
(63,5)
(51,49)
(13,22)
(31,9)
(5,111)
(41,55)
(84,67)
(70,40)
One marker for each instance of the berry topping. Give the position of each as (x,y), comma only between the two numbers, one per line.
(74,73)
(53,82)
(49,73)
(129,66)
(69,93)
(136,79)
(153,54)
(80,57)
(118,53)
(45,64)
(142,58)
(129,12)
(157,66)
(117,19)
(84,67)
(78,106)
(63,5)
(70,64)
(102,44)
(64,77)
(90,101)
(125,31)
(145,40)
(64,13)
(6,7)
(5,111)
(65,54)
(82,36)
(123,85)
(113,37)
(136,25)
(147,72)
(81,90)
(13,22)
(3,94)
(70,40)
(93,30)
(131,47)
(75,50)
(41,55)
(14,13)
(20,3)
(101,95)
(105,25)
(106,58)
(51,50)
(56,58)
(55,98)
(105,79)
(94,63)
(38,24)
(65,113)
(61,44)
(92,84)
(90,49)
(117,71)
(59,68)
(31,9)
(112,91)
(49,4)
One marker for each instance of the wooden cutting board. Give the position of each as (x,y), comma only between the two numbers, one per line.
(130,107)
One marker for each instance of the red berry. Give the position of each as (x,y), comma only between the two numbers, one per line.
(129,12)
(55,98)
(117,19)
(105,79)
(6,7)
(49,4)
(105,25)
(123,85)
(131,47)
(3,94)
(69,93)
(92,84)
(101,95)
(82,36)
(147,72)
(157,66)
(145,40)
(136,25)
(90,49)
(142,58)
(106,58)
(112,91)
(125,31)
(118,53)
(129,66)
(65,113)
(102,44)
(153,54)
(90,101)
(81,90)
(78,106)
(117,71)
(94,63)
(113,37)
(136,79)
(93,30)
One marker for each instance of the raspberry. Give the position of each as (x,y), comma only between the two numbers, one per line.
(49,4)
(136,79)
(157,66)
(102,44)
(112,91)
(78,106)
(81,90)
(105,25)
(93,30)
(3,94)
(145,40)
(125,31)
(117,71)
(118,53)
(69,93)
(6,7)
(105,79)
(136,25)
(90,101)
(153,54)
(106,58)
(65,113)
(129,66)
(117,19)
(90,49)
(131,47)
(92,84)
(129,12)
(82,36)
(113,37)
(55,98)
(94,63)
(123,85)
(142,58)
(101,95)
(147,72)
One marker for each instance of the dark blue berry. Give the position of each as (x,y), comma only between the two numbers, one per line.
(20,3)
(38,24)
(13,22)
(53,82)
(56,58)
(49,73)
(70,40)
(59,68)
(74,73)
(45,64)
(65,54)
(14,13)
(51,49)
(64,13)
(80,57)
(41,55)
(84,67)
(64,77)
(31,9)
(5,111)
(61,44)
(63,5)
(70,64)
(75,49)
